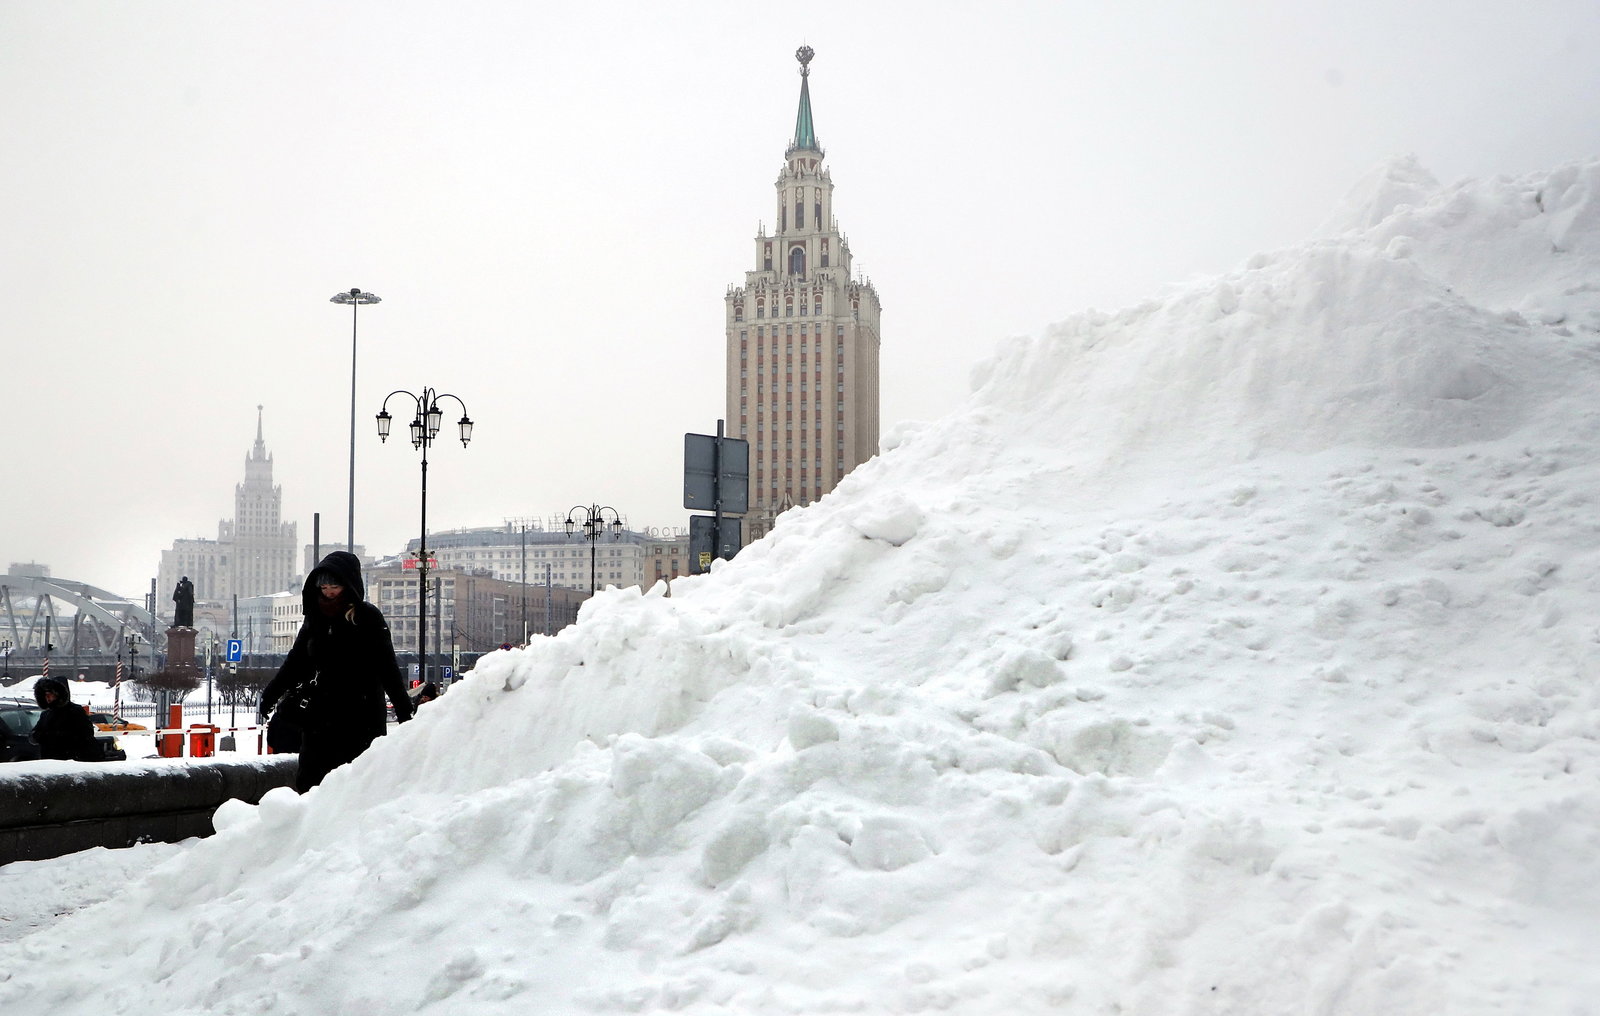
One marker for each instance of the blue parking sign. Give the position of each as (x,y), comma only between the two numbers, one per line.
(235,650)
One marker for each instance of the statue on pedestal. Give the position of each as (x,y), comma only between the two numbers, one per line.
(183,596)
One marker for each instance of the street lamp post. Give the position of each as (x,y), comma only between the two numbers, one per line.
(355,298)
(5,648)
(594,525)
(424,428)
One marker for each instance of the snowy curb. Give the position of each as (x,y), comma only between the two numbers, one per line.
(49,814)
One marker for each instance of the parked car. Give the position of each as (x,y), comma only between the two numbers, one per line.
(17,717)
(105,721)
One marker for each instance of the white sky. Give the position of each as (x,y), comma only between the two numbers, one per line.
(552,201)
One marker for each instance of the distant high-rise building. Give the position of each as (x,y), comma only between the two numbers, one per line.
(803,340)
(253,554)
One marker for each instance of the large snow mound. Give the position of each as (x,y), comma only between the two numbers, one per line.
(1233,653)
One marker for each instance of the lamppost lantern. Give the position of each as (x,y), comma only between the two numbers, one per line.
(595,525)
(355,296)
(424,428)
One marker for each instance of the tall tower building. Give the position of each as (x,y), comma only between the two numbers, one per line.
(263,544)
(254,552)
(802,356)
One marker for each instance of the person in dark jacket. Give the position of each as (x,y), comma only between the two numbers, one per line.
(64,730)
(343,660)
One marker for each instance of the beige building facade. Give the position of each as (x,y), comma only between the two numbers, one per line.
(467,612)
(802,342)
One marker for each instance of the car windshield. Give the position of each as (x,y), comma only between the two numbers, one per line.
(19,720)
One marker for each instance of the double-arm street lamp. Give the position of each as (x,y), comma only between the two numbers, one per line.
(424,428)
(356,299)
(594,526)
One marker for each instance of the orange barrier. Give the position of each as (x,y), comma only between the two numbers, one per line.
(198,740)
(203,740)
(170,745)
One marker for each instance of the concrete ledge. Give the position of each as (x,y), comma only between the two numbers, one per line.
(75,806)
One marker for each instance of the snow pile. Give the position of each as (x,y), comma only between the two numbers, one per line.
(1228,654)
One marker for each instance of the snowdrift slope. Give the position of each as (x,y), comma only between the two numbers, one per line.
(1228,654)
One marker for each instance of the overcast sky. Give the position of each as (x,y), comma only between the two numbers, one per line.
(552,200)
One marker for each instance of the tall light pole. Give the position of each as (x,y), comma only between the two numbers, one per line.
(424,428)
(594,526)
(355,298)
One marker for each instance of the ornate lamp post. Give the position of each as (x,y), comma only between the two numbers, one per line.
(594,525)
(5,649)
(424,428)
(355,298)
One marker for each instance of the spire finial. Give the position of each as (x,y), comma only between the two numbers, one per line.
(805,132)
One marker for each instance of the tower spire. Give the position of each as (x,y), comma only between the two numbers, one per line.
(261,444)
(805,131)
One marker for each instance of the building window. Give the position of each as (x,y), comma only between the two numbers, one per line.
(797,261)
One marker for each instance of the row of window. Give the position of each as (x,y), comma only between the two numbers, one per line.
(761,331)
(579,550)
(788,351)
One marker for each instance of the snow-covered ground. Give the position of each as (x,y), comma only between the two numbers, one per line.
(1232,653)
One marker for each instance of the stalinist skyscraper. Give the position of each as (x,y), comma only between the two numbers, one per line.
(254,552)
(802,341)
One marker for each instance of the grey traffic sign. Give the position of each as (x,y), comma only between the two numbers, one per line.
(711,538)
(716,467)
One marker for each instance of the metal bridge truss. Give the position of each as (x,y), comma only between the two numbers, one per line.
(96,624)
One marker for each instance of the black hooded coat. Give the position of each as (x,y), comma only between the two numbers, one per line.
(347,659)
(64,730)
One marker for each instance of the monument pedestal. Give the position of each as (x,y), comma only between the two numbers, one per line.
(181,674)
(180,646)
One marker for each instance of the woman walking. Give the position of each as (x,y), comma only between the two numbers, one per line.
(338,672)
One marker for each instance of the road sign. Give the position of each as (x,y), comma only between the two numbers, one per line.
(448,672)
(707,543)
(235,650)
(716,467)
